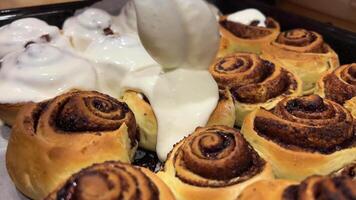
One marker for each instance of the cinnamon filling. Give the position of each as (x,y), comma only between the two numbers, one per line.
(110,180)
(306,41)
(251,31)
(108,31)
(322,188)
(308,123)
(218,147)
(341,88)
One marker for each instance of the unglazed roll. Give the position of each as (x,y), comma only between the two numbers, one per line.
(339,85)
(312,188)
(224,114)
(303,52)
(213,163)
(238,37)
(254,82)
(54,139)
(113,180)
(303,136)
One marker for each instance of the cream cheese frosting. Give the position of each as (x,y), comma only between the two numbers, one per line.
(16,35)
(91,24)
(184,40)
(42,71)
(115,56)
(247,16)
(126,20)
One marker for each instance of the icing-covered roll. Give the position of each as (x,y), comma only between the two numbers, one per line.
(339,85)
(53,139)
(91,24)
(304,53)
(312,188)
(15,36)
(213,163)
(113,180)
(246,31)
(303,136)
(254,82)
(224,114)
(40,72)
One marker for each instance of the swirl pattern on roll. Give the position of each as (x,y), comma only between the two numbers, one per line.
(252,79)
(251,31)
(309,122)
(340,84)
(217,147)
(109,180)
(301,40)
(318,187)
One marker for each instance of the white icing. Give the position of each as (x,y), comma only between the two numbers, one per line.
(126,20)
(42,71)
(87,26)
(115,57)
(247,16)
(184,34)
(183,39)
(15,36)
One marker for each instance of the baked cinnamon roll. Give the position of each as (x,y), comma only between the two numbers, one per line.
(213,163)
(254,82)
(113,180)
(312,188)
(240,35)
(303,52)
(339,85)
(350,105)
(53,139)
(224,114)
(303,136)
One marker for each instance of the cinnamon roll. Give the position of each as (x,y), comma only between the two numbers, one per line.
(350,105)
(224,114)
(246,31)
(53,139)
(91,24)
(40,72)
(303,136)
(312,188)
(303,52)
(254,82)
(339,85)
(214,162)
(16,35)
(113,180)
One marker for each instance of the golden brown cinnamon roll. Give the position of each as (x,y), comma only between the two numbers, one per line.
(53,139)
(213,163)
(237,37)
(312,188)
(303,52)
(303,136)
(339,85)
(113,180)
(224,114)
(254,82)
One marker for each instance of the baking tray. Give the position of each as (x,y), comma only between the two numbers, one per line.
(344,42)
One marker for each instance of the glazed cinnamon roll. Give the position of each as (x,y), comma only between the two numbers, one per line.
(312,188)
(339,85)
(53,139)
(246,36)
(40,72)
(303,136)
(214,162)
(254,82)
(303,52)
(113,180)
(224,114)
